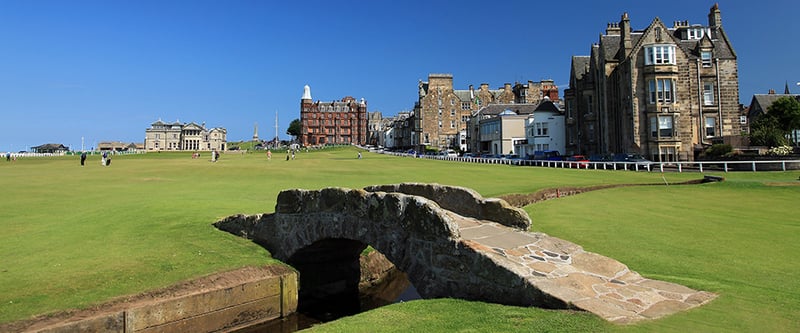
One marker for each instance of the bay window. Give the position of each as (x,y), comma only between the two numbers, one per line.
(659,54)
(661,126)
(661,91)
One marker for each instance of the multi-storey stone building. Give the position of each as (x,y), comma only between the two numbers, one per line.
(664,92)
(184,136)
(334,122)
(441,113)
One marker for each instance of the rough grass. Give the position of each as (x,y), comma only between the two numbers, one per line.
(74,236)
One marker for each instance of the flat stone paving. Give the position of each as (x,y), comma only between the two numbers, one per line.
(586,280)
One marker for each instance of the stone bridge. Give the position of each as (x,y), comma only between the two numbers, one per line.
(450,242)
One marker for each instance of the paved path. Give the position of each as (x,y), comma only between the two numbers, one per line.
(588,281)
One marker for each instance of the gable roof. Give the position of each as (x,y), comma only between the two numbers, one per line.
(496,109)
(761,103)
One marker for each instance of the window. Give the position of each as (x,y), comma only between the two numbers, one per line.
(710,125)
(541,129)
(659,54)
(654,127)
(708,93)
(453,112)
(464,105)
(452,124)
(664,126)
(661,91)
(695,33)
(705,57)
(440,124)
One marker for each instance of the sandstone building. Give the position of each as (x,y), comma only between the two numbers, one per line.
(441,112)
(665,92)
(184,136)
(334,122)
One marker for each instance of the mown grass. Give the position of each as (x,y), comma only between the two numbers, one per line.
(76,236)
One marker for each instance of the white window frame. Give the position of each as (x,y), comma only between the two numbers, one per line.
(666,126)
(705,58)
(659,54)
(710,127)
(661,90)
(708,93)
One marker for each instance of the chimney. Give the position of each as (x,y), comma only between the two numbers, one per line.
(612,29)
(507,86)
(625,31)
(471,92)
(772,92)
(714,17)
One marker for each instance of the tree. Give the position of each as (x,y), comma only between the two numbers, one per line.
(787,111)
(772,128)
(294,128)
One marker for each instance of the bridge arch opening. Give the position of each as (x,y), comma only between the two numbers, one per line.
(332,282)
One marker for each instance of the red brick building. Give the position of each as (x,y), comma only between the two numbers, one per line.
(334,122)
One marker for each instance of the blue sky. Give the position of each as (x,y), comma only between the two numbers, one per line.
(105,70)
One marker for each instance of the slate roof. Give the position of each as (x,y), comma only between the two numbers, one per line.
(761,102)
(548,106)
(579,64)
(495,109)
(463,95)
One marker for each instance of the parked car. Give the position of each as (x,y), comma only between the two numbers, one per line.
(632,158)
(578,161)
(548,155)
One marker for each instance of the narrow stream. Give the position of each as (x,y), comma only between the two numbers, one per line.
(394,288)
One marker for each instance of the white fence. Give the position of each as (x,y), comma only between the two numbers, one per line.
(697,166)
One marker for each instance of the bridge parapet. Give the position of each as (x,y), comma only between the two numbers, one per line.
(463,201)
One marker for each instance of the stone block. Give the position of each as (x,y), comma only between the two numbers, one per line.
(196,305)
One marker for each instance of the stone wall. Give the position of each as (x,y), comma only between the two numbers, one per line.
(463,201)
(224,301)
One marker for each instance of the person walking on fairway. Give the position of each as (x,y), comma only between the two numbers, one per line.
(83,158)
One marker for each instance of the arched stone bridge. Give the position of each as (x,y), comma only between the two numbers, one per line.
(451,242)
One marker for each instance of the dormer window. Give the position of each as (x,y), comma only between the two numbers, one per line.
(697,33)
(659,54)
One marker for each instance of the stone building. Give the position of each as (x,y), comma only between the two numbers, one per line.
(375,128)
(184,136)
(664,92)
(441,112)
(333,122)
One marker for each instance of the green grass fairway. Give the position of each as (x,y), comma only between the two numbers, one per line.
(75,236)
